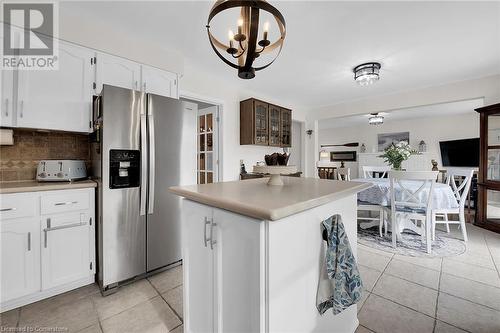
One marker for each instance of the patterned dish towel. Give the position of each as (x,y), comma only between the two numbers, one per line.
(340,284)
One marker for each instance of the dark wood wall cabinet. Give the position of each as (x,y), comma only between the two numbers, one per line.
(488,186)
(265,124)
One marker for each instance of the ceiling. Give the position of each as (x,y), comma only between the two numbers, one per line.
(419,44)
(425,111)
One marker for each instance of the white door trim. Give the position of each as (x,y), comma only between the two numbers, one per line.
(220,107)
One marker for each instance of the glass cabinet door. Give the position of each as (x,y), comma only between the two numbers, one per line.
(493,155)
(286,128)
(493,206)
(490,187)
(274,125)
(261,123)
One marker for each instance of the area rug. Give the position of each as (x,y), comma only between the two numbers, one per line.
(411,245)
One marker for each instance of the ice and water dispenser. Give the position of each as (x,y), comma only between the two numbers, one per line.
(124,168)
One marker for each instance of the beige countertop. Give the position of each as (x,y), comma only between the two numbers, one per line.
(34,186)
(256,199)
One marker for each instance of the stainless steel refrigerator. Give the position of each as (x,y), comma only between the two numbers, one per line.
(144,144)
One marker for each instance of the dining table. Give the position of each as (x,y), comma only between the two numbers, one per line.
(379,194)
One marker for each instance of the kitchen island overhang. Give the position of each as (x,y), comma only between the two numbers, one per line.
(252,254)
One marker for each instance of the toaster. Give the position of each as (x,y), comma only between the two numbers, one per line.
(60,170)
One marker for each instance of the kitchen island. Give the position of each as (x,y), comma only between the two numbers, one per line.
(252,254)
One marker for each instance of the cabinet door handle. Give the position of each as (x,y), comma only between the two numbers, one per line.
(49,222)
(212,241)
(29,241)
(21,106)
(144,86)
(65,203)
(6,107)
(207,222)
(135,85)
(8,209)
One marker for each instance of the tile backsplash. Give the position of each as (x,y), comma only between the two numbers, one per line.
(19,162)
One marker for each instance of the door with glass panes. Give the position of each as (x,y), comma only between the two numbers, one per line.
(489,168)
(207,145)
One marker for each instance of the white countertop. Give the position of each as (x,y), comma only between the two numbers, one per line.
(256,199)
(34,186)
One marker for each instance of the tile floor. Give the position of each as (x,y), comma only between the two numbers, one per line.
(149,305)
(456,294)
(403,295)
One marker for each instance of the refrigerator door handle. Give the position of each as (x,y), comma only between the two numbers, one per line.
(144,164)
(151,187)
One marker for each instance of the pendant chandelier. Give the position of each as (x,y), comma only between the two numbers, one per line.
(244,47)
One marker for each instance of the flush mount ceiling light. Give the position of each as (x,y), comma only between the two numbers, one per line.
(366,74)
(245,46)
(375,119)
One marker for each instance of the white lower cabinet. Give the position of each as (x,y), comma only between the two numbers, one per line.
(222,253)
(198,265)
(248,275)
(20,256)
(65,248)
(44,254)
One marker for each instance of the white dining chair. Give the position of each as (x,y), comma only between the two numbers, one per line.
(381,212)
(368,171)
(460,181)
(344,174)
(413,201)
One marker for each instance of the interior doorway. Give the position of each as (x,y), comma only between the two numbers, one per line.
(207,138)
(296,150)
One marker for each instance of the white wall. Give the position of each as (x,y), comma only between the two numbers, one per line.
(431,130)
(101,36)
(296,150)
(194,80)
(487,88)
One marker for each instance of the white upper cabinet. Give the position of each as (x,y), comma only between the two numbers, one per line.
(58,99)
(7,100)
(118,72)
(6,96)
(19,256)
(159,82)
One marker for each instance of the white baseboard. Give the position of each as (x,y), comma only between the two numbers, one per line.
(42,294)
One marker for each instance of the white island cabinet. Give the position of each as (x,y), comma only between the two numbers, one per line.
(252,254)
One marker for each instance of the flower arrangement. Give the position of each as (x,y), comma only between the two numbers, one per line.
(397,153)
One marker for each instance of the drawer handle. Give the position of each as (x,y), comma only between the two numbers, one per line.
(65,203)
(29,241)
(8,209)
(66,226)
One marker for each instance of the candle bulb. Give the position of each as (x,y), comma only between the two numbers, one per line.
(231,38)
(240,26)
(266,29)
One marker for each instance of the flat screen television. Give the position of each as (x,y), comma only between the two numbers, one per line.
(460,153)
